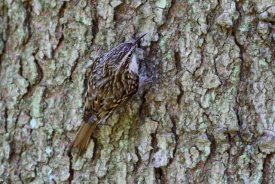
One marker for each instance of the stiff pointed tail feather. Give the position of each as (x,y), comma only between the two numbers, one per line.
(82,138)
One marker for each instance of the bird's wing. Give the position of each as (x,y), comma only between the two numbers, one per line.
(107,90)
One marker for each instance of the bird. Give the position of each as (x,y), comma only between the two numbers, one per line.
(112,81)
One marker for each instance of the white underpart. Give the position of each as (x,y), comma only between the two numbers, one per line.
(133,66)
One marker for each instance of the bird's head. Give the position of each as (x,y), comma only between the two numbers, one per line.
(123,56)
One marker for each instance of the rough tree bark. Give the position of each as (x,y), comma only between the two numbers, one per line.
(208,117)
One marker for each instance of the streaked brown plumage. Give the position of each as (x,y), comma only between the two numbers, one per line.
(113,80)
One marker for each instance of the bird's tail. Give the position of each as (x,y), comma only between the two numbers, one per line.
(82,138)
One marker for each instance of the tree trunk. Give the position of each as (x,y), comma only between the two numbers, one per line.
(207,117)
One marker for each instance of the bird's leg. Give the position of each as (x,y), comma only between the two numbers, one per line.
(145,81)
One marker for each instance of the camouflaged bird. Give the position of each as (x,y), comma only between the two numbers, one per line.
(113,80)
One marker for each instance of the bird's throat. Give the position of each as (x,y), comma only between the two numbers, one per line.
(133,66)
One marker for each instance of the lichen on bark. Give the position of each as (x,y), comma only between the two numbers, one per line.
(207,117)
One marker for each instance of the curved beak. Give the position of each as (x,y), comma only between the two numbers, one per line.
(136,41)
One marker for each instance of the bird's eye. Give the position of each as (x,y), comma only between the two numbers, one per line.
(129,56)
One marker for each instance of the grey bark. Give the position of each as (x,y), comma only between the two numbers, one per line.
(208,117)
